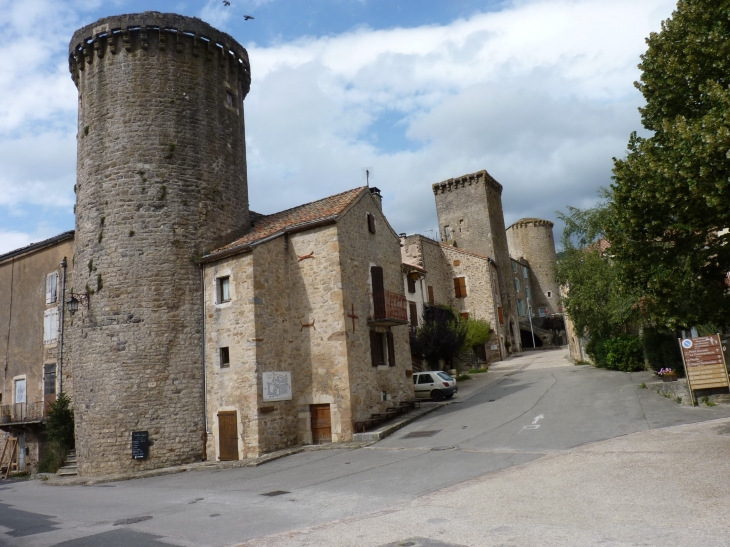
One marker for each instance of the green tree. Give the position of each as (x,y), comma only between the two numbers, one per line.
(60,423)
(670,194)
(477,333)
(440,336)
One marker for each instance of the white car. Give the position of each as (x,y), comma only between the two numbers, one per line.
(434,384)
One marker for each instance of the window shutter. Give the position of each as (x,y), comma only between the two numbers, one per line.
(430,295)
(54,324)
(462,283)
(371,223)
(46,326)
(411,284)
(48,289)
(457,288)
(376,272)
(414,313)
(391,349)
(54,286)
(501,315)
(374,348)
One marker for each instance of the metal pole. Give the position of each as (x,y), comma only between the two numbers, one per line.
(686,373)
(60,335)
(529,315)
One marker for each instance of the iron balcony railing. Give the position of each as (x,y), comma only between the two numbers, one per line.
(21,412)
(389,307)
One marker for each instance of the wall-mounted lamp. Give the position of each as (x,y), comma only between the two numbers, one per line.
(72,304)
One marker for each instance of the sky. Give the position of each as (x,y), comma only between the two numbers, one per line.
(538,92)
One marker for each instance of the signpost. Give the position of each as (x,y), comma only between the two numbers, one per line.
(704,363)
(140,445)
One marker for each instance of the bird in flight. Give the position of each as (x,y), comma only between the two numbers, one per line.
(247,17)
(226,3)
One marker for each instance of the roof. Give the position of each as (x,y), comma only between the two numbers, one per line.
(265,227)
(39,245)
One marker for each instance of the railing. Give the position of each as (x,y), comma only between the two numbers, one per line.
(21,412)
(390,306)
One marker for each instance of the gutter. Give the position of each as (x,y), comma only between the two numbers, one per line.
(250,246)
(37,246)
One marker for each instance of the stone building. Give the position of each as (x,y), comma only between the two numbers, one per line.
(206,330)
(31,293)
(304,327)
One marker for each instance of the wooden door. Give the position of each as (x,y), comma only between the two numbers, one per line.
(228,435)
(321,424)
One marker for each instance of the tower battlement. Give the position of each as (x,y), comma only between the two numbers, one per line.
(530,222)
(480,177)
(151,31)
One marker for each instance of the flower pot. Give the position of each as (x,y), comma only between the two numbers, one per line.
(669,378)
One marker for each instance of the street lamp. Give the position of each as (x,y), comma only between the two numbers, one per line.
(73,301)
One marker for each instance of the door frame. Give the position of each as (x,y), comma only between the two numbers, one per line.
(233,412)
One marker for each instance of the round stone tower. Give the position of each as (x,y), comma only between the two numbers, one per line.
(161,177)
(532,239)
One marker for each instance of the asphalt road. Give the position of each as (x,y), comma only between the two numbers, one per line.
(545,405)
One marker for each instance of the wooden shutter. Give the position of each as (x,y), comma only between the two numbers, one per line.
(411,284)
(376,272)
(391,349)
(501,315)
(414,313)
(374,348)
(371,223)
(431,299)
(457,288)
(465,315)
(462,286)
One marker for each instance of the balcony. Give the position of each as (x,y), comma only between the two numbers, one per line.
(389,309)
(21,413)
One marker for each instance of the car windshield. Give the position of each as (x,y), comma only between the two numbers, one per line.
(445,376)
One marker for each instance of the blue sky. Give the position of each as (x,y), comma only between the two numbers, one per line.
(538,92)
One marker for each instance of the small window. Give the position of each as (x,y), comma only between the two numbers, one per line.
(371,223)
(460,287)
(447,232)
(49,379)
(223,289)
(230,99)
(411,284)
(51,288)
(225,357)
(517,284)
(514,267)
(413,312)
(431,299)
(524,272)
(382,348)
(550,294)
(528,293)
(19,391)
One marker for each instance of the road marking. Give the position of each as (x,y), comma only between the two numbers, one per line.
(534,425)
(537,419)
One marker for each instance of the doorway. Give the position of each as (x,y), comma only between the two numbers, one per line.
(228,435)
(321,424)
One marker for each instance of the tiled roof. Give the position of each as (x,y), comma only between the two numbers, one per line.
(39,245)
(266,226)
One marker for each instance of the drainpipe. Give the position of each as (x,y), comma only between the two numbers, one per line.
(529,316)
(205,372)
(64,264)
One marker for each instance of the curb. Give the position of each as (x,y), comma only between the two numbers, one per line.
(379,434)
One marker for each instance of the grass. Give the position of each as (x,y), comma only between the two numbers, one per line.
(678,400)
(477,371)
(642,386)
(580,363)
(706,401)
(463,377)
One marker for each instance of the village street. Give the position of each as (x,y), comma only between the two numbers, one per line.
(534,407)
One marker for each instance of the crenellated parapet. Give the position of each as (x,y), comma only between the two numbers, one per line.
(480,177)
(531,222)
(157,32)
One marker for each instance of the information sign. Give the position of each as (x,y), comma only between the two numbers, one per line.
(704,363)
(277,386)
(140,445)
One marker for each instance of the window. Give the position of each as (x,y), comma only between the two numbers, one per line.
(543,311)
(49,379)
(231,99)
(225,357)
(51,288)
(50,325)
(500,313)
(528,293)
(371,223)
(223,289)
(514,267)
(550,294)
(444,376)
(382,348)
(413,311)
(431,299)
(411,284)
(517,284)
(19,391)
(520,308)
(524,272)
(425,379)
(447,233)
(460,287)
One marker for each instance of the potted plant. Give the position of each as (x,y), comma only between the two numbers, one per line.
(667,375)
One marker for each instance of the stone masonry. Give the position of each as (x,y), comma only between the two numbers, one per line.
(161,177)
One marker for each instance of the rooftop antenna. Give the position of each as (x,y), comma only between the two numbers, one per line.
(367,173)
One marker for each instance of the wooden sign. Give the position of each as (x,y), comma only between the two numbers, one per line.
(704,363)
(140,445)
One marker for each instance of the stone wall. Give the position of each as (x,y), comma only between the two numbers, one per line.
(161,177)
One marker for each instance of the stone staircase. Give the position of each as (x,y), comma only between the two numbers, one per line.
(69,466)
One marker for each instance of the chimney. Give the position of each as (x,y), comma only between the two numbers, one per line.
(378,198)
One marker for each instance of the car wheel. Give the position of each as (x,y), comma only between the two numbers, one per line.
(437,395)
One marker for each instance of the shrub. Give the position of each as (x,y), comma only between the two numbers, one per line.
(52,460)
(624,353)
(662,350)
(60,423)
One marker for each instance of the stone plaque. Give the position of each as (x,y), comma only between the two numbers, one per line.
(277,386)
